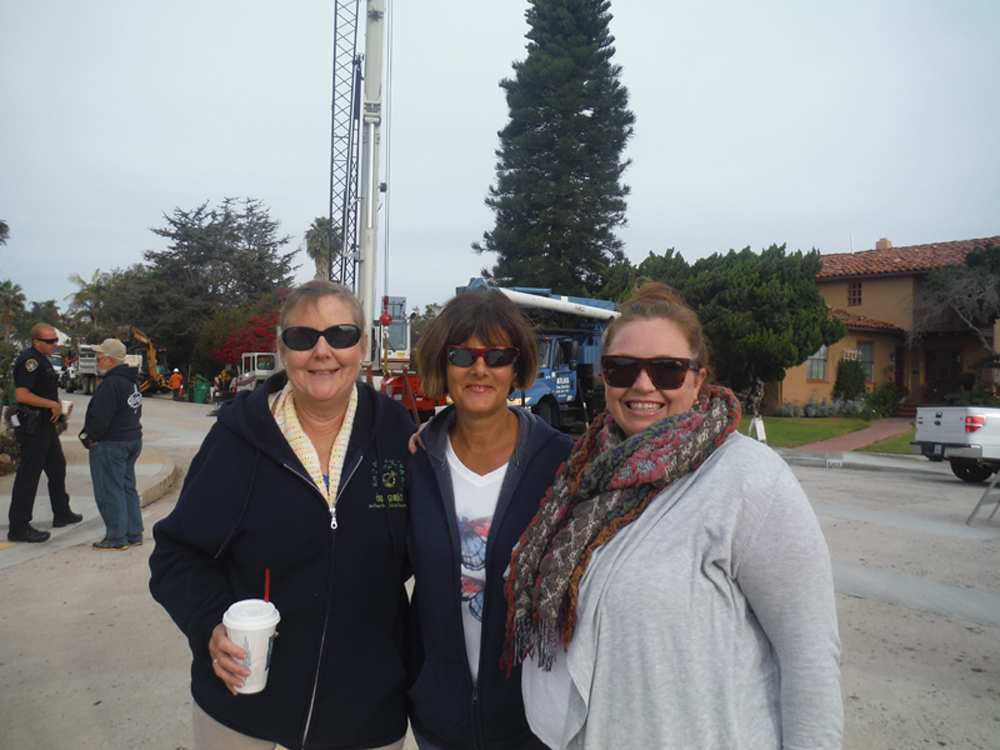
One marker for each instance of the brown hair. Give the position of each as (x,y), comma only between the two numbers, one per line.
(490,317)
(652,300)
(312,292)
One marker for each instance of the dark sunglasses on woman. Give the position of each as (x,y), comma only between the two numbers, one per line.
(493,356)
(303,338)
(667,373)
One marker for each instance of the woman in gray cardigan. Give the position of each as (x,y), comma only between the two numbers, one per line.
(674,590)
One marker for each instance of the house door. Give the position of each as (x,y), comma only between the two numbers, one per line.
(900,364)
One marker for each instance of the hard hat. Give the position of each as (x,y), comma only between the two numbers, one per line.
(176,370)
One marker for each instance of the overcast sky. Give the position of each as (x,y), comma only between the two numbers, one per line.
(813,124)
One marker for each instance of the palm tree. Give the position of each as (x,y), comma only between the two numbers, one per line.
(88,301)
(4,232)
(11,306)
(318,245)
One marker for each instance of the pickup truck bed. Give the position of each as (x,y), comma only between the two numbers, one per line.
(968,437)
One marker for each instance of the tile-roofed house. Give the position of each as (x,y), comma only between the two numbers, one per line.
(873,292)
(896,261)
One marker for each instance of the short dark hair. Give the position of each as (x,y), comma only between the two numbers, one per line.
(489,316)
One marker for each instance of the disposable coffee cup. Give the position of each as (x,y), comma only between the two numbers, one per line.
(251,624)
(67,407)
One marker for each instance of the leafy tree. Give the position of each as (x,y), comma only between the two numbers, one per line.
(258,335)
(11,307)
(558,196)
(762,313)
(963,297)
(318,238)
(39,312)
(4,232)
(87,302)
(420,320)
(851,377)
(222,257)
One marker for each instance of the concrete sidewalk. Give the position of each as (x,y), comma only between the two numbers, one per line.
(155,474)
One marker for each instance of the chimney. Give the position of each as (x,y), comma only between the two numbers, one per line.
(884,243)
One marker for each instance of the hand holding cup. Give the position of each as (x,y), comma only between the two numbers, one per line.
(227,659)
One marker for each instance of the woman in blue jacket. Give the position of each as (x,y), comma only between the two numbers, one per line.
(304,477)
(474,488)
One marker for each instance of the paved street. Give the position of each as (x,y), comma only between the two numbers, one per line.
(88,660)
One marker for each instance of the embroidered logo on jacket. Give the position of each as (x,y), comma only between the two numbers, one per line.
(388,481)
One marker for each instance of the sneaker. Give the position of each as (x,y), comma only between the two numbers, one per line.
(28,534)
(67,519)
(135,542)
(106,545)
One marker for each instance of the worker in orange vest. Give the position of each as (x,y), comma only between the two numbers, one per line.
(176,384)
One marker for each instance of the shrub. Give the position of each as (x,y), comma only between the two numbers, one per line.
(883,400)
(850,383)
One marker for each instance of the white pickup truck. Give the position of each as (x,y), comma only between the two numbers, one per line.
(967,437)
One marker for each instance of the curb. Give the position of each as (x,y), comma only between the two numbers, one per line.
(161,484)
(848,460)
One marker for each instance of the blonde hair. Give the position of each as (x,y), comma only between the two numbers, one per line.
(312,292)
(653,300)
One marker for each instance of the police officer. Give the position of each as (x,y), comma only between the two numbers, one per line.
(37,396)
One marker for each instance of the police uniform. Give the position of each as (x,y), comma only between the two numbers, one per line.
(40,447)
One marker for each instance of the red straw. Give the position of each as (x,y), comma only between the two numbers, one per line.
(267,584)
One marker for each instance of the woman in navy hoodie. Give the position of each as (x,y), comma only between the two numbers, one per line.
(474,488)
(304,477)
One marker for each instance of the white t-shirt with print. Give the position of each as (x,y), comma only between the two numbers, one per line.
(475,501)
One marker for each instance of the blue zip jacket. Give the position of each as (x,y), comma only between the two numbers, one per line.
(337,677)
(445,706)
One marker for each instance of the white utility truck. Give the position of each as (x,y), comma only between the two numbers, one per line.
(967,437)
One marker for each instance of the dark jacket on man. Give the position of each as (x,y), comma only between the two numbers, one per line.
(446,706)
(337,678)
(115,410)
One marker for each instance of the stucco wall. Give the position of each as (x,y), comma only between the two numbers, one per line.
(798,389)
(889,300)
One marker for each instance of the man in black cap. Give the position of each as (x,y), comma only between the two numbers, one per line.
(37,395)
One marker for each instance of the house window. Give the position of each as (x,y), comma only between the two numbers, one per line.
(817,365)
(866,354)
(854,293)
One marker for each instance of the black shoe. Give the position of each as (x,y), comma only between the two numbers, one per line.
(106,545)
(66,519)
(28,534)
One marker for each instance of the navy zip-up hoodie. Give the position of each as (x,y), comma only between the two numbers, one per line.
(337,677)
(445,706)
(115,411)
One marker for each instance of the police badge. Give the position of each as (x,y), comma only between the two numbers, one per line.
(31,365)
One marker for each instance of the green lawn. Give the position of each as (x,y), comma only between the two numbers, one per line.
(898,444)
(791,432)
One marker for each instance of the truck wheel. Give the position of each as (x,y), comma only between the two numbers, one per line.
(549,413)
(970,471)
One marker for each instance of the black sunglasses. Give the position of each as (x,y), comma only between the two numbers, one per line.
(303,338)
(493,356)
(667,373)
(48,341)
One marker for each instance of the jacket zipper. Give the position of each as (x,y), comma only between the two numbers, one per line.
(329,593)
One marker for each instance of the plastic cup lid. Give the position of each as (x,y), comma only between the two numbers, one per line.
(251,613)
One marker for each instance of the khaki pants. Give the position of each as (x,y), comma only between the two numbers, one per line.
(211,735)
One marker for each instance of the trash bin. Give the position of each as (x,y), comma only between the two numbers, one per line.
(200,391)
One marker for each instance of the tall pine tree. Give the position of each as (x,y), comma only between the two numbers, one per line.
(558,195)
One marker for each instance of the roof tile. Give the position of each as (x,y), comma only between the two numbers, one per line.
(910,259)
(863,322)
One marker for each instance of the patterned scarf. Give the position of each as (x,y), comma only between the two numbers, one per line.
(607,483)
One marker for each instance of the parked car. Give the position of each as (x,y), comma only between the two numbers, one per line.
(967,437)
